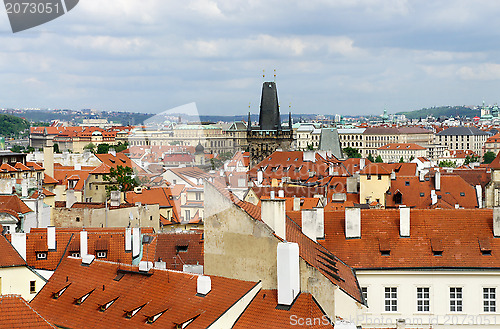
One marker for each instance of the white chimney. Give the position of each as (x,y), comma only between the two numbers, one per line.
(83,243)
(115,199)
(421,175)
(128,239)
(272,195)
(24,188)
(51,237)
(260,177)
(404,221)
(136,241)
(145,266)
(496,221)
(19,243)
(48,160)
(78,166)
(309,223)
(273,214)
(87,259)
(352,185)
(434,198)
(479,196)
(362,164)
(296,204)
(112,151)
(288,272)
(70,198)
(393,175)
(309,156)
(320,222)
(281,194)
(203,285)
(352,222)
(437,181)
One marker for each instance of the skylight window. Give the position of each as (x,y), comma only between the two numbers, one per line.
(58,294)
(80,300)
(104,307)
(153,318)
(462,193)
(130,314)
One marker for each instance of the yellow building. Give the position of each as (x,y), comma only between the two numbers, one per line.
(374,181)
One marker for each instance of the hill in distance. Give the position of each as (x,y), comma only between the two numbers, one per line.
(442,111)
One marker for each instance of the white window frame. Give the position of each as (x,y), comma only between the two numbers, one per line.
(455,299)
(489,304)
(393,300)
(421,299)
(41,255)
(101,254)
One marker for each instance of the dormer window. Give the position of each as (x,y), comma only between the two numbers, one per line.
(41,255)
(80,300)
(58,294)
(130,314)
(485,246)
(107,305)
(437,247)
(153,318)
(101,254)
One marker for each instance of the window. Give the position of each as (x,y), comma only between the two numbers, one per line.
(183,248)
(77,219)
(455,299)
(187,215)
(489,299)
(407,183)
(75,254)
(391,299)
(101,254)
(379,177)
(41,255)
(423,299)
(364,291)
(198,196)
(32,287)
(368,177)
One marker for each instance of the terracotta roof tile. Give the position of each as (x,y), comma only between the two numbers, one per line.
(167,249)
(15,312)
(9,257)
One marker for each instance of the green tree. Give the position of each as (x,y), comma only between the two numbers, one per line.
(90,147)
(17,149)
(488,157)
(56,148)
(121,147)
(370,157)
(102,148)
(352,152)
(411,158)
(121,179)
(378,159)
(447,163)
(402,160)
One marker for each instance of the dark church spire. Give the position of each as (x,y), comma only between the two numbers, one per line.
(249,123)
(269,118)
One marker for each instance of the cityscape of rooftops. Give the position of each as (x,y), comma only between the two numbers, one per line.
(249,164)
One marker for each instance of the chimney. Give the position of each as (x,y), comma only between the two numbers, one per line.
(19,243)
(48,160)
(70,198)
(273,214)
(272,195)
(362,164)
(496,221)
(309,223)
(404,221)
(393,175)
(24,188)
(203,285)
(281,194)
(128,239)
(83,243)
(136,240)
(51,237)
(115,199)
(78,166)
(320,222)
(288,272)
(352,222)
(434,198)
(352,184)
(479,196)
(145,266)
(400,324)
(260,177)
(87,259)
(309,156)
(421,175)
(296,204)
(112,151)
(437,181)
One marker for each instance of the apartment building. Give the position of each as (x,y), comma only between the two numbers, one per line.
(463,138)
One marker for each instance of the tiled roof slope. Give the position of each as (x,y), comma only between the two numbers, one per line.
(14,203)
(15,312)
(458,232)
(454,190)
(9,257)
(262,313)
(171,292)
(167,249)
(327,263)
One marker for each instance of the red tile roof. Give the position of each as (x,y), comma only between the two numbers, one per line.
(9,257)
(44,192)
(15,312)
(401,146)
(12,202)
(457,230)
(171,292)
(167,249)
(262,313)
(49,179)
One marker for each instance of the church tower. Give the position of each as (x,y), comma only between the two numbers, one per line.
(269,135)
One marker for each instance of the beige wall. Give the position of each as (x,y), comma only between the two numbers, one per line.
(88,217)
(373,188)
(16,280)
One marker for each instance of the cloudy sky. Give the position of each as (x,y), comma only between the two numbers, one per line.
(331,56)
